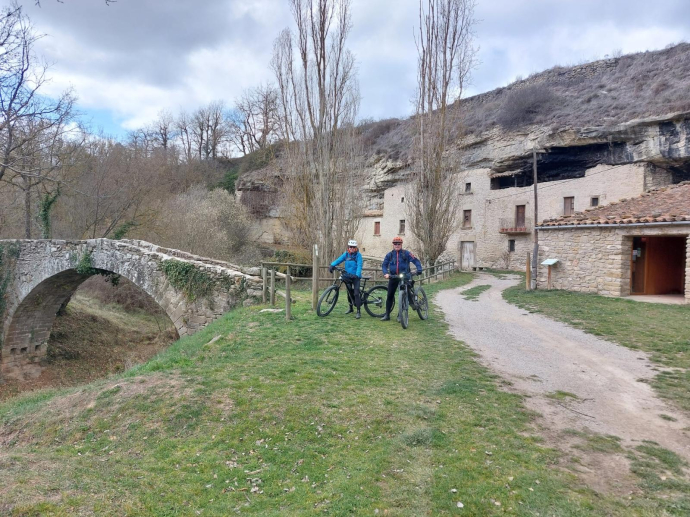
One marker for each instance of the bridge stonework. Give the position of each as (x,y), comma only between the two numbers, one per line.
(38,276)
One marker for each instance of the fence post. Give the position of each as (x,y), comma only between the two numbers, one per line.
(264,287)
(288,300)
(528,274)
(273,286)
(315,278)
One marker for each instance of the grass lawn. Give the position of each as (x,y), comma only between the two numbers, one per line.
(256,415)
(661,330)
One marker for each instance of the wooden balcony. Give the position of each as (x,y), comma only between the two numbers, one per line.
(515,227)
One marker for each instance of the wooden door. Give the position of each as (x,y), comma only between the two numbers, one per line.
(520,216)
(467,255)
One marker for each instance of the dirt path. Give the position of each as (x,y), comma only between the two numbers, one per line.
(540,356)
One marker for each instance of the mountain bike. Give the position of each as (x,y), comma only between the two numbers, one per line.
(410,296)
(373,300)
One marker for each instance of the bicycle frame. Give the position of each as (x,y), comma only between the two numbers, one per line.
(407,284)
(339,281)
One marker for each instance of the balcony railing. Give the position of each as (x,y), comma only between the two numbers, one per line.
(512,226)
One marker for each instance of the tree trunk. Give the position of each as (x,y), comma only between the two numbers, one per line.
(27,209)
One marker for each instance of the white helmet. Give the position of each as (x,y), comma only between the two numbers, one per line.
(352,243)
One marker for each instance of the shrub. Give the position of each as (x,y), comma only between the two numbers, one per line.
(210,224)
(521,107)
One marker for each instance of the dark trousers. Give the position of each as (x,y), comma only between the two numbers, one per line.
(352,286)
(393,282)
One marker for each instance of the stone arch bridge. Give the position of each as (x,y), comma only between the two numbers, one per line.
(38,276)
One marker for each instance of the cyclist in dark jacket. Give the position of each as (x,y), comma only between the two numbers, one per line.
(353,273)
(396,262)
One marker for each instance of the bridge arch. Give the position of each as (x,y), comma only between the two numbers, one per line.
(45,274)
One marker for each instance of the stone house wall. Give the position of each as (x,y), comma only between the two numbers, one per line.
(490,206)
(597,259)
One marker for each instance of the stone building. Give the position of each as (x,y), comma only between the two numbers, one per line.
(496,224)
(586,157)
(638,246)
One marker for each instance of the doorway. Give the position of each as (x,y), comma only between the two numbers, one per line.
(467,255)
(658,265)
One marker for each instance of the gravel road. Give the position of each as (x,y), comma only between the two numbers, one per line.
(541,356)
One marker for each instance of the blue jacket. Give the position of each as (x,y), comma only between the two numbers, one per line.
(353,263)
(397,262)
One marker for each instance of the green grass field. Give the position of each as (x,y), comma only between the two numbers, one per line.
(256,415)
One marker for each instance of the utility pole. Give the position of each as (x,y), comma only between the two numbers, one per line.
(535,251)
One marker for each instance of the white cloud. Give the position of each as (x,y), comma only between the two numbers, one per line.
(134,59)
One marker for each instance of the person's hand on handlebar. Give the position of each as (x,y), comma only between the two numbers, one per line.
(418,273)
(331,269)
(386,275)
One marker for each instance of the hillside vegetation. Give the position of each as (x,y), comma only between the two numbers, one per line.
(602,93)
(255,415)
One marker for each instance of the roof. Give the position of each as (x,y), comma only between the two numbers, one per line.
(662,205)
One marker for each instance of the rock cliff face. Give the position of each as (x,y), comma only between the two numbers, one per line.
(631,109)
(660,142)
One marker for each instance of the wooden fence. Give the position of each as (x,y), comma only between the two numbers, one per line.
(320,277)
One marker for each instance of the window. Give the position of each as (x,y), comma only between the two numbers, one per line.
(401,229)
(377,228)
(568,205)
(594,201)
(468,187)
(519,216)
(511,245)
(467,218)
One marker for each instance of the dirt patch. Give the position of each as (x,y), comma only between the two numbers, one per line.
(91,341)
(574,380)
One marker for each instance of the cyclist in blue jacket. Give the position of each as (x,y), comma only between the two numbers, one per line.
(396,262)
(353,273)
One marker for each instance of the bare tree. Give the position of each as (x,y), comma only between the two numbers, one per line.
(319,99)
(254,122)
(184,133)
(164,129)
(33,128)
(209,131)
(445,58)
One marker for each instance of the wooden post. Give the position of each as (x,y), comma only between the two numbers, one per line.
(528,274)
(535,252)
(273,286)
(288,300)
(315,278)
(548,279)
(264,274)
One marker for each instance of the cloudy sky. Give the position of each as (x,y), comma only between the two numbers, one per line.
(134,58)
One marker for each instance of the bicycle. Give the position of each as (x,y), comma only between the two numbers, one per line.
(373,300)
(411,297)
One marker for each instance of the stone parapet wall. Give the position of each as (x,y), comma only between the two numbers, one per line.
(597,259)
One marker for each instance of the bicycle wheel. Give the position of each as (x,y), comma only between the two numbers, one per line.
(404,303)
(422,304)
(327,301)
(375,301)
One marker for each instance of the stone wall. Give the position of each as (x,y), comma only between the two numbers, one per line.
(44,276)
(597,259)
(490,206)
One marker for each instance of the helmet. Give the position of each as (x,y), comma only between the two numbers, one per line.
(352,243)
(397,239)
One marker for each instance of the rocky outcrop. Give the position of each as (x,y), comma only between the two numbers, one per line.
(615,111)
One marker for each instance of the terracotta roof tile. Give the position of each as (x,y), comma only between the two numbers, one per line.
(665,204)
